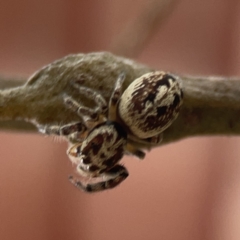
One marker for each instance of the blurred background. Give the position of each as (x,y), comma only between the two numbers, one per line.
(185,190)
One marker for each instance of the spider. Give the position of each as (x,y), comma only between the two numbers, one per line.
(138,115)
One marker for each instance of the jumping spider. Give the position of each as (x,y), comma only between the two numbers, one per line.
(146,108)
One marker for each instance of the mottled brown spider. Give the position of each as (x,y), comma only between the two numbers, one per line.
(146,108)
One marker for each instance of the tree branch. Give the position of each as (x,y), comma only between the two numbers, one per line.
(10,82)
(132,39)
(211,104)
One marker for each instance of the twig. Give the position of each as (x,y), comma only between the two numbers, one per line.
(211,104)
(131,41)
(9,82)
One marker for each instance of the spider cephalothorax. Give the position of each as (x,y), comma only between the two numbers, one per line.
(146,108)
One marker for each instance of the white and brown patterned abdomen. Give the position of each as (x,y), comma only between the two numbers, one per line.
(150,104)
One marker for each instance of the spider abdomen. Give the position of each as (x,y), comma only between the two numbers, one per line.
(150,104)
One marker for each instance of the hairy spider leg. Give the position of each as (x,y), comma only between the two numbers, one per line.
(91,116)
(74,131)
(134,151)
(101,103)
(115,176)
(147,141)
(116,94)
(94,95)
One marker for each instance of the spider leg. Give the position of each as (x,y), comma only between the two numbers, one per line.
(93,95)
(134,151)
(90,117)
(74,131)
(117,92)
(115,176)
(155,139)
(82,111)
(147,141)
